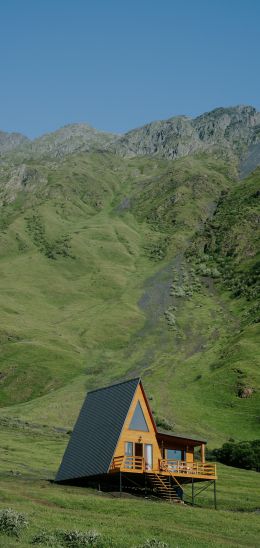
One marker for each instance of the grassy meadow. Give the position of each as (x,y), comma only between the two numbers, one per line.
(30,456)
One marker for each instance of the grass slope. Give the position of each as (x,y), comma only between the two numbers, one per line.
(26,467)
(99,283)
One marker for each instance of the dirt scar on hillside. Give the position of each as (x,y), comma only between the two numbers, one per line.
(155,300)
(156,297)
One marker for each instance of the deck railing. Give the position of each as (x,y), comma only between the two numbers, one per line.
(178,467)
(188,468)
(128,463)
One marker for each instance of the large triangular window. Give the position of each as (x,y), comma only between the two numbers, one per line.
(138,421)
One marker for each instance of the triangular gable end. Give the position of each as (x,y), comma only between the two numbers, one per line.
(138,421)
(134,409)
(144,432)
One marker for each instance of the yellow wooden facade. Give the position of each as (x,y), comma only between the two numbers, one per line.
(161,443)
(138,436)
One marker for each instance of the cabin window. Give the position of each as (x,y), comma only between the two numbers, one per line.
(129,448)
(138,421)
(174,454)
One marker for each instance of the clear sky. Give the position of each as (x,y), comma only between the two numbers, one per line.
(118,64)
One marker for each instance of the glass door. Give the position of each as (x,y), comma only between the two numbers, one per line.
(148,456)
(129,450)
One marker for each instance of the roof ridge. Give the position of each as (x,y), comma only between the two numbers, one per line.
(115,384)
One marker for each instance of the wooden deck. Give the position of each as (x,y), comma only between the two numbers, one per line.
(176,468)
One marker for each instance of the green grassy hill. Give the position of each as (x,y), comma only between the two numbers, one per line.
(105,276)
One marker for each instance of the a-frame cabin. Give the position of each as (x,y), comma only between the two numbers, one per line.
(115,442)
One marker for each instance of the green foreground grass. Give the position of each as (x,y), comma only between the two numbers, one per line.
(30,458)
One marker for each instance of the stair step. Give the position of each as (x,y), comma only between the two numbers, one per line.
(164,488)
(168,490)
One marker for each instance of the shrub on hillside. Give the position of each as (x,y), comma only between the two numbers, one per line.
(48,538)
(12,522)
(153,543)
(80,538)
(71,539)
(165,424)
(245,454)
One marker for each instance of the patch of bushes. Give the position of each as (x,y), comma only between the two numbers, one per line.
(72,539)
(204,270)
(163,423)
(245,454)
(47,538)
(153,543)
(185,282)
(80,539)
(11,522)
(22,245)
(60,247)
(157,251)
(170,316)
(179,291)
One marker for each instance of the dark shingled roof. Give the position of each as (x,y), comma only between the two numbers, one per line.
(97,430)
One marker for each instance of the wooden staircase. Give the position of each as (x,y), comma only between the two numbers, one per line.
(164,488)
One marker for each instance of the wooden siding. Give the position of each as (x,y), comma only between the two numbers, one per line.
(139,436)
(135,435)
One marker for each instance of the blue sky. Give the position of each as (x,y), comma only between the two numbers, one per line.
(118,64)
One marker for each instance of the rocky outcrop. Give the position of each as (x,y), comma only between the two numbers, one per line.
(68,140)
(10,141)
(22,178)
(234,129)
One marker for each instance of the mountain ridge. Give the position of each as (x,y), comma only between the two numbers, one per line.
(232,130)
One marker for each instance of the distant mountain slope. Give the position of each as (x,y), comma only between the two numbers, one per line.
(234,131)
(234,238)
(250,161)
(10,141)
(67,140)
(231,129)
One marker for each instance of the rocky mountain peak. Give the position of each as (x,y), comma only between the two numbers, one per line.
(10,141)
(233,129)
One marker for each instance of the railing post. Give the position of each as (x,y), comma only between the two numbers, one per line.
(120,483)
(192,491)
(215,495)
